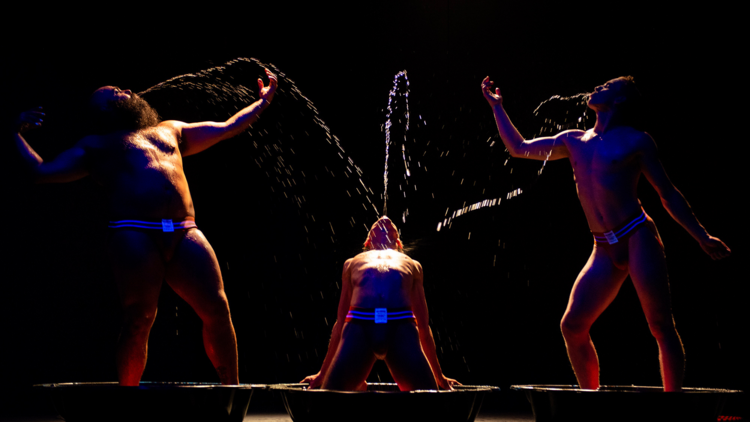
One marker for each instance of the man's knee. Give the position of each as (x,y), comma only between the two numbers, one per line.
(572,327)
(137,319)
(214,309)
(662,328)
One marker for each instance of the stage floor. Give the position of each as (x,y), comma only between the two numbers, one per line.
(281,416)
(266,406)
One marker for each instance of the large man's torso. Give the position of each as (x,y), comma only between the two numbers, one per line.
(606,169)
(142,173)
(382,278)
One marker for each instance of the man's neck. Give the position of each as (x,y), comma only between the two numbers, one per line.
(383,247)
(603,119)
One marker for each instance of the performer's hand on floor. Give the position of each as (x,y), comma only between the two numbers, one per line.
(715,248)
(447,383)
(314,380)
(29,119)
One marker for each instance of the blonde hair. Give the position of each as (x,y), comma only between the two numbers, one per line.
(368,243)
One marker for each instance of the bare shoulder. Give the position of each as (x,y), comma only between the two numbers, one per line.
(352,262)
(639,140)
(172,125)
(571,136)
(644,138)
(90,141)
(415,264)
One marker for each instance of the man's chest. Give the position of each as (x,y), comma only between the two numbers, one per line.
(601,157)
(135,154)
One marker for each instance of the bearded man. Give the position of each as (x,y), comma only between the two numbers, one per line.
(154,238)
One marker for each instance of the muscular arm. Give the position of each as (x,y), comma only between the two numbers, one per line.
(197,137)
(544,148)
(675,203)
(346,298)
(66,167)
(419,306)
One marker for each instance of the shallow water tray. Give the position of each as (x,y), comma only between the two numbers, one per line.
(150,401)
(624,403)
(382,402)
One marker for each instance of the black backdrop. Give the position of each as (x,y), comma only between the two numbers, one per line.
(497,281)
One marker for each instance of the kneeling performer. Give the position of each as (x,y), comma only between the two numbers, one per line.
(382,315)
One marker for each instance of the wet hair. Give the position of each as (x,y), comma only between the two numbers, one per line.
(368,244)
(630,111)
(131,114)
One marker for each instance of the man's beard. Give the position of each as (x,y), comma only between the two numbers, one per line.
(131,115)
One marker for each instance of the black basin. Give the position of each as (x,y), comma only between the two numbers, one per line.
(382,402)
(151,401)
(624,403)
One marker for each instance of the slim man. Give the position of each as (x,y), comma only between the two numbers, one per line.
(138,161)
(382,315)
(608,161)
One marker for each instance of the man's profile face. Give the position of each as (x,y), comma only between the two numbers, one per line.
(113,109)
(105,95)
(607,94)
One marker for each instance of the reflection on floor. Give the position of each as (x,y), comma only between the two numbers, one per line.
(281,416)
(267,406)
(482,417)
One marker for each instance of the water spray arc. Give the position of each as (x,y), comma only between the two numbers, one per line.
(391,98)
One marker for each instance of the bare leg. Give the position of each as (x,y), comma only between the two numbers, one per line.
(596,287)
(648,270)
(406,360)
(193,273)
(138,271)
(353,360)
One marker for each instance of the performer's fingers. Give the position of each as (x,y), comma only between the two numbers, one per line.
(271,77)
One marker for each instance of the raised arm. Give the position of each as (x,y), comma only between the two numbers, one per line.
(66,167)
(544,148)
(196,137)
(419,307)
(346,299)
(675,203)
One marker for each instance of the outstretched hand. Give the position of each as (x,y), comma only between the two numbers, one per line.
(494,98)
(266,92)
(29,119)
(715,248)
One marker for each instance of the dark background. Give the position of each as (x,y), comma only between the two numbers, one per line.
(497,281)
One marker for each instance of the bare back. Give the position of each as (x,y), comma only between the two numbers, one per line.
(141,171)
(382,278)
(606,169)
